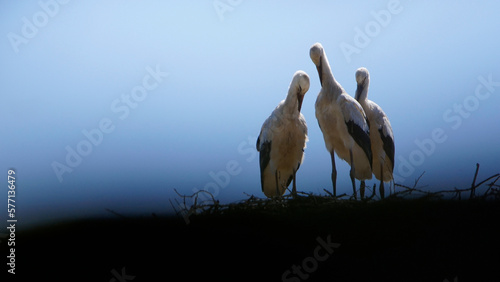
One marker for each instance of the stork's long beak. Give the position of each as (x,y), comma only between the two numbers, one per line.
(300,97)
(359,89)
(320,71)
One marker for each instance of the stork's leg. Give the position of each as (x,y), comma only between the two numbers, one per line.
(294,187)
(381,187)
(334,174)
(352,173)
(362,189)
(277,184)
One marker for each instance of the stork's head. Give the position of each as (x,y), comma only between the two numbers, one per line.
(300,85)
(363,81)
(316,53)
(362,76)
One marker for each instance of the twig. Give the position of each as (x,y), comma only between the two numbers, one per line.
(473,186)
(373,192)
(490,187)
(328,192)
(403,186)
(417,180)
(480,183)
(115,213)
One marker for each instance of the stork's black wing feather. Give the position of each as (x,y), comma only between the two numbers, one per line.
(388,145)
(361,137)
(264,157)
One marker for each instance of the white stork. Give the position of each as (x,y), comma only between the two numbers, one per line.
(381,135)
(343,123)
(282,140)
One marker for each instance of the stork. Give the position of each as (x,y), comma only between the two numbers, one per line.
(343,123)
(282,140)
(381,136)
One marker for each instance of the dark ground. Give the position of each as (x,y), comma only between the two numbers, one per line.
(390,240)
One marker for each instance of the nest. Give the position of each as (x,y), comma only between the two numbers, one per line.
(204,203)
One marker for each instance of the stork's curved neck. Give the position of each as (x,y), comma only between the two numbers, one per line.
(362,91)
(292,103)
(327,78)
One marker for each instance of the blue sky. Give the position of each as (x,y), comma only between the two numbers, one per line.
(221,67)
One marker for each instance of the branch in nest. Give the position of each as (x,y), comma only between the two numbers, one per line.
(473,185)
(115,213)
(187,210)
(203,202)
(457,192)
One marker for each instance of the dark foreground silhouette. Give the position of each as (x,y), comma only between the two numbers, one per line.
(389,240)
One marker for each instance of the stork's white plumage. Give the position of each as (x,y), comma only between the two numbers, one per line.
(282,140)
(381,136)
(343,123)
